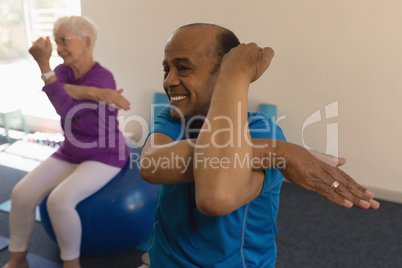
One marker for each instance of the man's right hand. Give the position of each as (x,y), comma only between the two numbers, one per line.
(311,173)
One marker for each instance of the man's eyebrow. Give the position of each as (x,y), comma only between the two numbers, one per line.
(178,60)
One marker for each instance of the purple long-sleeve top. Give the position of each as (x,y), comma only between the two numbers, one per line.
(90,129)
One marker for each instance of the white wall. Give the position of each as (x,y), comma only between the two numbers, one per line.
(326,51)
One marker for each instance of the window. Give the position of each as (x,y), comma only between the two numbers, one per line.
(21,22)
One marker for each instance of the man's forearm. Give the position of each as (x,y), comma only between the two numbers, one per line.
(223,138)
(181,159)
(168,162)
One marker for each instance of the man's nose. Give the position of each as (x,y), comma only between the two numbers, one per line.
(172,79)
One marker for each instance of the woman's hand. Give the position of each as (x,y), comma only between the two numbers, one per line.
(41,51)
(115,99)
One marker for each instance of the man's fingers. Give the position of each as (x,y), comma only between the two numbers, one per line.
(341,161)
(343,190)
(329,159)
(351,190)
(355,194)
(268,53)
(329,193)
(370,194)
(352,198)
(341,196)
(374,204)
(353,186)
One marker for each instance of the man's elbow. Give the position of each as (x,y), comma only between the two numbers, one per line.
(148,175)
(148,171)
(215,205)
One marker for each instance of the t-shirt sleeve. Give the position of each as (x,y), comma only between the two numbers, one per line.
(164,123)
(263,128)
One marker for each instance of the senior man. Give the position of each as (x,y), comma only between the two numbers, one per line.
(220,209)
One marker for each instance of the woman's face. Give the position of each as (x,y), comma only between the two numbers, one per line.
(71,47)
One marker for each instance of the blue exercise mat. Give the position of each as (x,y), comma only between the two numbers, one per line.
(6,207)
(3,242)
(36,261)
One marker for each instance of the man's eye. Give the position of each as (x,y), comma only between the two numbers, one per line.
(165,71)
(183,68)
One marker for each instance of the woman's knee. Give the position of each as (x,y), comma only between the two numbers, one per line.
(54,203)
(58,201)
(21,196)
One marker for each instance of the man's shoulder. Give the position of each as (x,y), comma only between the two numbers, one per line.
(261,126)
(164,123)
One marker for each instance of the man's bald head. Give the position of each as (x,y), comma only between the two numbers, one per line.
(223,40)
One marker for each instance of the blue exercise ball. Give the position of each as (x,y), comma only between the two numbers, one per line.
(117,217)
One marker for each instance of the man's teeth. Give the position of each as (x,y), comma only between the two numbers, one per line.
(177,98)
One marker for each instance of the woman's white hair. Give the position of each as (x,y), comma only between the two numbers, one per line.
(78,25)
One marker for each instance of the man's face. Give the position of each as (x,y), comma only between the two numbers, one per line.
(188,63)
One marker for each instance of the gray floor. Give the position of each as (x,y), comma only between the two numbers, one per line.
(312,232)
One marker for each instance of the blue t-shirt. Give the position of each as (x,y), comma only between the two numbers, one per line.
(184,237)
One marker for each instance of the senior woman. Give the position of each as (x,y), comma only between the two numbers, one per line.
(93,152)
